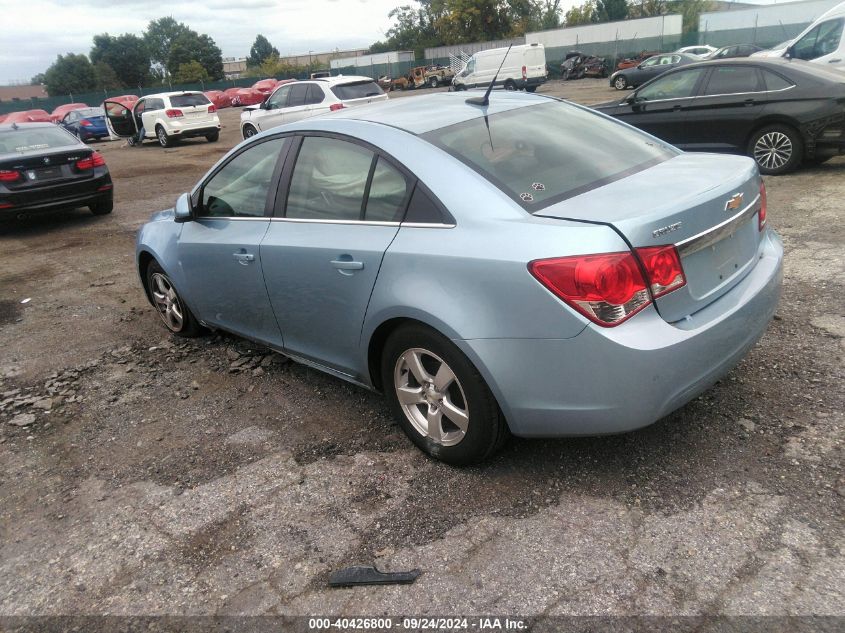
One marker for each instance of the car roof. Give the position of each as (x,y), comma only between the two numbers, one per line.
(340,79)
(437,110)
(177,93)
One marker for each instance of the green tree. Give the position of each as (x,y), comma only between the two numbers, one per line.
(190,73)
(105,77)
(127,55)
(37,80)
(159,36)
(646,8)
(261,50)
(611,10)
(545,15)
(585,14)
(69,73)
(192,46)
(690,11)
(474,20)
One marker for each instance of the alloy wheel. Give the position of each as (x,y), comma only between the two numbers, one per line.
(167,302)
(773,150)
(249,131)
(431,396)
(162,137)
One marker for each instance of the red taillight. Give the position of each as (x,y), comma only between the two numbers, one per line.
(336,106)
(524,72)
(663,268)
(9,175)
(173,113)
(94,160)
(761,215)
(85,123)
(6,205)
(609,288)
(212,109)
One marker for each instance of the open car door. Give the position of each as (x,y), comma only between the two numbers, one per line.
(120,120)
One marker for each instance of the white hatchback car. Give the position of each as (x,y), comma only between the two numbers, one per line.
(166,116)
(302,99)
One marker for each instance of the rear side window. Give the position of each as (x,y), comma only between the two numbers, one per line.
(775,81)
(387,195)
(186,101)
(422,209)
(357,90)
(298,94)
(729,80)
(315,94)
(34,139)
(541,154)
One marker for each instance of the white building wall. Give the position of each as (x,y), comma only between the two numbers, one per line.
(765,15)
(391,57)
(608,32)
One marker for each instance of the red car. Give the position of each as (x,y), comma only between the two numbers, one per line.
(29,116)
(265,86)
(248,96)
(232,93)
(219,98)
(2,117)
(59,113)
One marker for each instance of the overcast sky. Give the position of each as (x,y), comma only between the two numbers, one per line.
(33,32)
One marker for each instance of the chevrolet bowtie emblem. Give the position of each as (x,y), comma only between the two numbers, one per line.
(734,203)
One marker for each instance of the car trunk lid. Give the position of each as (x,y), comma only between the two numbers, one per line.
(41,168)
(711,220)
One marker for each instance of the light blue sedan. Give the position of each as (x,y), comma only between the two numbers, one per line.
(527,267)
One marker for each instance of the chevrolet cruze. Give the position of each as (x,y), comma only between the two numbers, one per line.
(527,267)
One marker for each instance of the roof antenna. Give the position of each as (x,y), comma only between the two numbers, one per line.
(485,100)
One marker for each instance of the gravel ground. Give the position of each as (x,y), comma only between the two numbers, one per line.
(142,474)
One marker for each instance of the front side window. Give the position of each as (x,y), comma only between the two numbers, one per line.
(279,98)
(240,188)
(729,80)
(822,40)
(544,153)
(678,85)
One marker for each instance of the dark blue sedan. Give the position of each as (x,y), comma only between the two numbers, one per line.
(86,124)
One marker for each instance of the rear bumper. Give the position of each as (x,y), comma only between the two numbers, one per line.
(619,379)
(58,196)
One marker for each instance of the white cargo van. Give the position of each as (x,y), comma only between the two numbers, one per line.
(822,41)
(524,68)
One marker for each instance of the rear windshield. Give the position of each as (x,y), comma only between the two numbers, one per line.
(357,90)
(186,101)
(34,139)
(545,153)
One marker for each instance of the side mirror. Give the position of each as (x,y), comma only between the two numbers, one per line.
(631,98)
(789,53)
(184,210)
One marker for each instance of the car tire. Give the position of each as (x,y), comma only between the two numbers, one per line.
(213,137)
(162,137)
(777,149)
(248,131)
(469,427)
(620,83)
(433,82)
(168,304)
(103,207)
(530,88)
(510,85)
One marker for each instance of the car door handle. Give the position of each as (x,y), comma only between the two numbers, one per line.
(676,108)
(346,266)
(749,102)
(244,258)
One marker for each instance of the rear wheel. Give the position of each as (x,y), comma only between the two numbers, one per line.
(530,88)
(439,399)
(162,137)
(433,82)
(510,85)
(169,305)
(778,149)
(249,131)
(620,83)
(213,137)
(103,207)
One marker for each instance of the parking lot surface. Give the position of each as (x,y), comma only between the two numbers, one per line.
(144,474)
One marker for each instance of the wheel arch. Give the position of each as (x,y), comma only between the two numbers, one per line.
(144,259)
